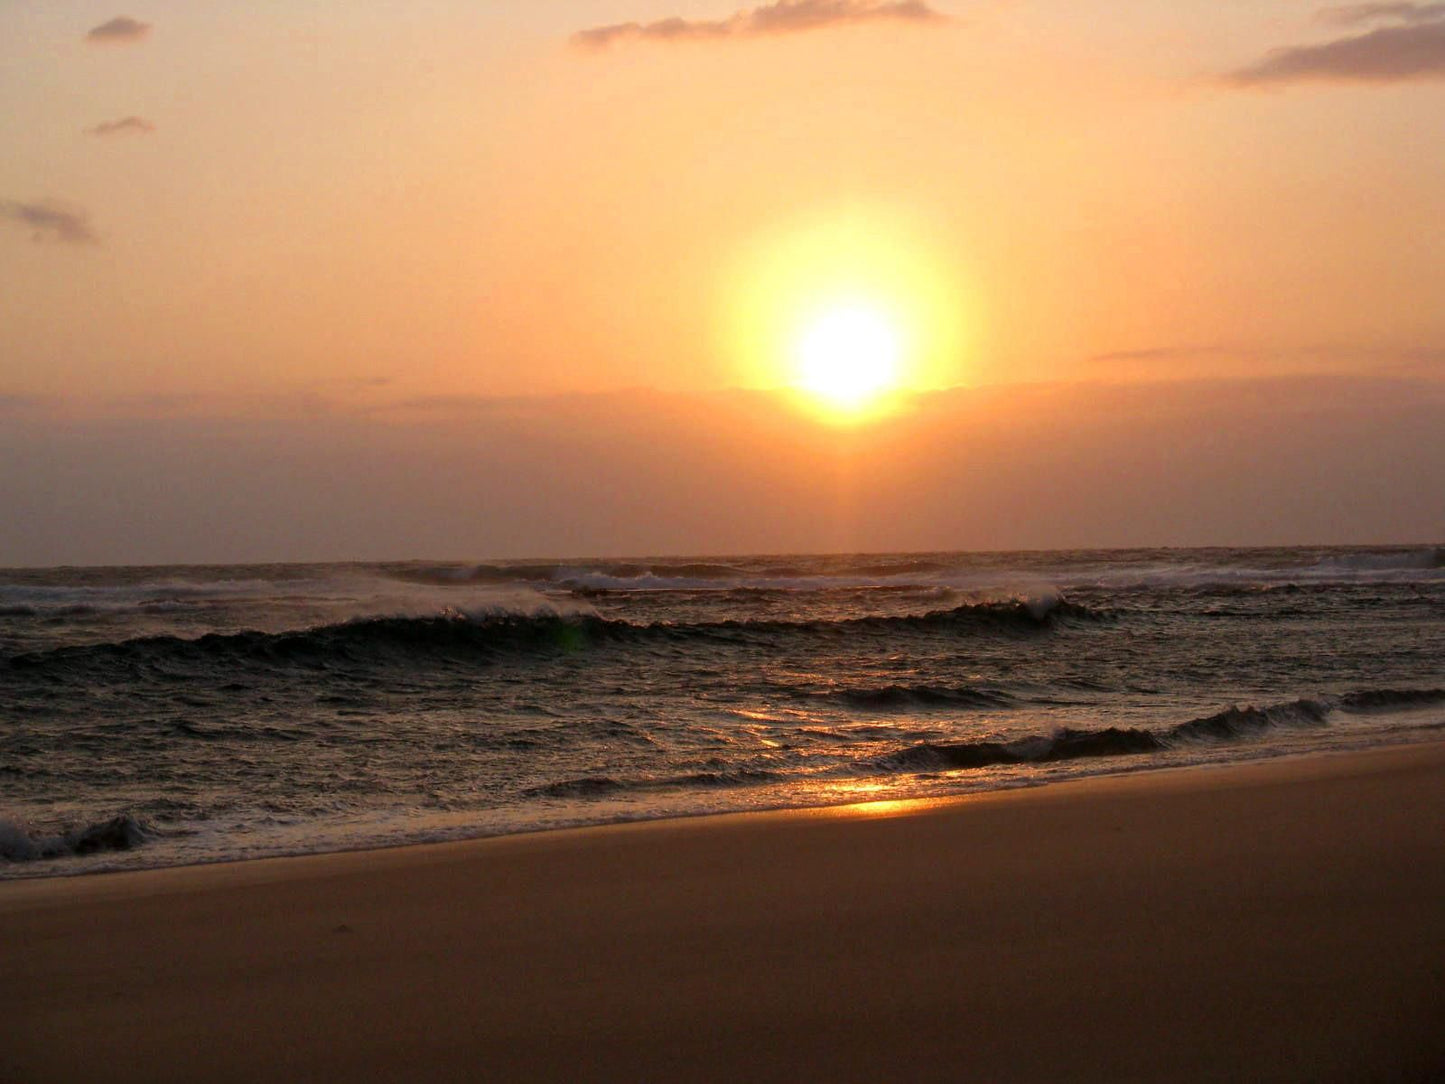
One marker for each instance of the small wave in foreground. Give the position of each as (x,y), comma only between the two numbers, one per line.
(122,833)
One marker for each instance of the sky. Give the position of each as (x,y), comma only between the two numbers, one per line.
(294,281)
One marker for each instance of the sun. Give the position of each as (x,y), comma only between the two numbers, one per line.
(850,311)
(848,356)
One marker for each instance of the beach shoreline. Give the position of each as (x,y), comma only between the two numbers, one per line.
(1274,919)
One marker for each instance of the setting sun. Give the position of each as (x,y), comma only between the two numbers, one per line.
(847,356)
(851,309)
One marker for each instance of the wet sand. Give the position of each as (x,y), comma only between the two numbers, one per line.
(1278,920)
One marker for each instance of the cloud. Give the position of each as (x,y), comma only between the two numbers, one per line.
(781,17)
(1387,54)
(124,126)
(1154,353)
(784,17)
(1353,14)
(1238,361)
(118,31)
(50,222)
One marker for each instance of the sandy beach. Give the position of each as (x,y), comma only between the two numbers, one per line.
(1274,920)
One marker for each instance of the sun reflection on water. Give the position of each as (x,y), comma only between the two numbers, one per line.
(856,799)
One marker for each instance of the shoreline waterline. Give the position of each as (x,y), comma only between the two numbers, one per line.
(1264,769)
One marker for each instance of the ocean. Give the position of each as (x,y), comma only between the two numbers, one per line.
(166,716)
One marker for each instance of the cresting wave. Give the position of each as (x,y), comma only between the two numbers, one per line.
(1231,724)
(592,786)
(653,575)
(122,833)
(457,634)
(1431,557)
(903,697)
(1091,568)
(54,593)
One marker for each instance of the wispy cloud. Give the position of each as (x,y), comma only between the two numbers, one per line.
(781,17)
(1354,14)
(1167,361)
(1413,47)
(124,126)
(50,221)
(121,30)
(1154,353)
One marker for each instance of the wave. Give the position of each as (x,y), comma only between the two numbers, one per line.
(1029,614)
(635,574)
(977,571)
(663,570)
(595,786)
(488,634)
(903,697)
(983,571)
(1390,699)
(80,598)
(1231,724)
(587,786)
(805,575)
(122,833)
(1429,557)
(1066,744)
(1238,722)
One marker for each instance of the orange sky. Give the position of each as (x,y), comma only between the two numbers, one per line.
(273,210)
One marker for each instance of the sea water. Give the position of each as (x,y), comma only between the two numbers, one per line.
(159,716)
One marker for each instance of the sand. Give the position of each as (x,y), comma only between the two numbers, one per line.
(1276,920)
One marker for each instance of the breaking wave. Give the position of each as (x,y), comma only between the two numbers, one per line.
(1066,744)
(1240,722)
(458,634)
(903,697)
(593,786)
(924,571)
(1430,557)
(1231,724)
(1390,699)
(122,833)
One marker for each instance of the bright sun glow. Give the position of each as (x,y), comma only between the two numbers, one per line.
(848,356)
(851,309)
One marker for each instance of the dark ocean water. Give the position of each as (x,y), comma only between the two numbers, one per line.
(156,716)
